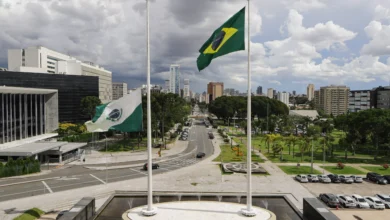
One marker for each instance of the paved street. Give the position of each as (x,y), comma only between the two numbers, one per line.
(78,176)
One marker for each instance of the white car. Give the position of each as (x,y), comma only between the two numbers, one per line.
(301,178)
(385,199)
(357,179)
(312,178)
(324,179)
(346,201)
(360,201)
(374,202)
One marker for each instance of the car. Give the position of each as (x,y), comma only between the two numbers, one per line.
(330,199)
(312,178)
(334,178)
(374,202)
(324,179)
(346,179)
(385,199)
(346,201)
(377,178)
(183,138)
(357,179)
(61,214)
(387,177)
(301,178)
(360,201)
(211,135)
(154,166)
(200,155)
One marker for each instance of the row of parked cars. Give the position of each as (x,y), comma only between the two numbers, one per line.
(330,178)
(184,135)
(378,201)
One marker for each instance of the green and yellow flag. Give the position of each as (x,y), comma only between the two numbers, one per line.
(226,39)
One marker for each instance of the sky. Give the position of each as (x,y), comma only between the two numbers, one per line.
(293,42)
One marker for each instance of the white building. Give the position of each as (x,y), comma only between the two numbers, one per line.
(270,93)
(283,97)
(118,90)
(310,92)
(42,60)
(186,88)
(167,85)
(175,79)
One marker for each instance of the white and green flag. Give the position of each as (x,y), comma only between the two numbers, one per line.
(124,114)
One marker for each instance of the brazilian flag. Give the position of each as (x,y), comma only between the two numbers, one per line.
(226,39)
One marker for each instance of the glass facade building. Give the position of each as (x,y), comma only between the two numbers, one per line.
(71,89)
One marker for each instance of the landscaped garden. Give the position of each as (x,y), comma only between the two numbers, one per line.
(235,154)
(295,170)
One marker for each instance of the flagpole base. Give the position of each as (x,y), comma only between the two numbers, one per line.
(248,213)
(146,212)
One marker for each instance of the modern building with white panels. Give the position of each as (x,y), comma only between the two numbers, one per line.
(118,90)
(175,79)
(43,60)
(284,97)
(187,88)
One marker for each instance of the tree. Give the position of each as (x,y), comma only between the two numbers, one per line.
(277,148)
(270,138)
(88,105)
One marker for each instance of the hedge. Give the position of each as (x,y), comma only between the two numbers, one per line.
(19,167)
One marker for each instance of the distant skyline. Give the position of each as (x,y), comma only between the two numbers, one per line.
(294,42)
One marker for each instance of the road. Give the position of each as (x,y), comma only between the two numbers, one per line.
(78,176)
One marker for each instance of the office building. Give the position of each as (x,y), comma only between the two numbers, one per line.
(380,97)
(359,100)
(294,93)
(167,85)
(214,90)
(283,97)
(310,92)
(259,90)
(43,60)
(71,89)
(186,89)
(334,99)
(153,89)
(175,79)
(270,93)
(118,90)
(317,99)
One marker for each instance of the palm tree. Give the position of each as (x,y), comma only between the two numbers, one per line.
(304,145)
(270,139)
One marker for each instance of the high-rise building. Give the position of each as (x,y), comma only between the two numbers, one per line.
(359,100)
(310,92)
(214,90)
(186,88)
(334,99)
(259,90)
(294,93)
(118,90)
(175,79)
(283,97)
(380,97)
(317,99)
(270,93)
(167,85)
(43,60)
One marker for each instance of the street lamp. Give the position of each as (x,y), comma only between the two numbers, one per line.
(312,154)
(105,136)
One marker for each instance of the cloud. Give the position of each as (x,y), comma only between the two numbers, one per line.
(381,13)
(304,5)
(379,39)
(275,82)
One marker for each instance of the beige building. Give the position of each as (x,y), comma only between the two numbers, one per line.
(317,99)
(310,92)
(118,90)
(270,93)
(334,99)
(214,90)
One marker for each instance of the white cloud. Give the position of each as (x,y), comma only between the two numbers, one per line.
(381,13)
(380,39)
(275,82)
(305,5)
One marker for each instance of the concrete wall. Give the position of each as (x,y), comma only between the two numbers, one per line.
(51,112)
(14,59)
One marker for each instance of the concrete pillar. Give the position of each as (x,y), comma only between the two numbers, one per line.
(25,116)
(14,117)
(31,116)
(36,156)
(6,114)
(60,158)
(20,117)
(2,116)
(36,114)
(40,114)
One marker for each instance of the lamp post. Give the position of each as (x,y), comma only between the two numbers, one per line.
(312,155)
(105,136)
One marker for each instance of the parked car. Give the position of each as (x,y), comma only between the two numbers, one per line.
(377,178)
(357,179)
(346,179)
(334,178)
(324,179)
(387,177)
(385,199)
(200,155)
(312,178)
(360,201)
(154,166)
(301,178)
(374,202)
(329,199)
(183,138)
(211,135)
(346,201)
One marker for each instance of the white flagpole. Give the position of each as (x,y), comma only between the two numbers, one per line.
(249,211)
(150,210)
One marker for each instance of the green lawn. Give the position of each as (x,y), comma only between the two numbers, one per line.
(125,145)
(299,170)
(346,170)
(228,155)
(378,169)
(30,214)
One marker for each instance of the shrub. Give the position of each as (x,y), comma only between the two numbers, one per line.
(227,140)
(215,126)
(174,135)
(340,165)
(386,166)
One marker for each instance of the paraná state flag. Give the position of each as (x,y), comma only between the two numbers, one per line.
(230,37)
(124,114)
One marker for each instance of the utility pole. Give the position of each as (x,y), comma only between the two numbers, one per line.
(312,155)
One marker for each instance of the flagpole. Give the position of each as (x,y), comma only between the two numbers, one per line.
(150,210)
(249,211)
